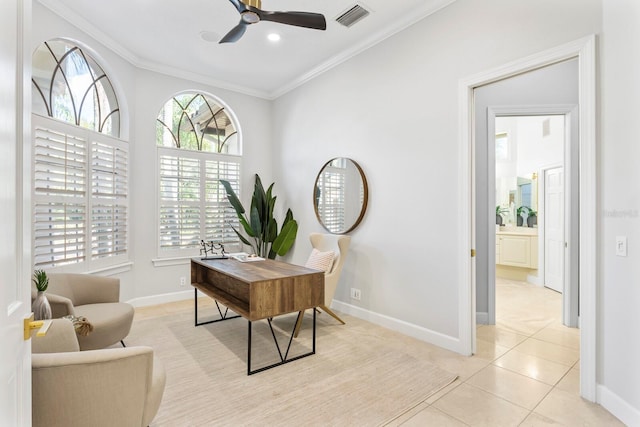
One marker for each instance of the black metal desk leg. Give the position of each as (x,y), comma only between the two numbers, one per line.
(249,350)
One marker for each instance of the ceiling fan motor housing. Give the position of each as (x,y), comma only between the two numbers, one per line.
(253,3)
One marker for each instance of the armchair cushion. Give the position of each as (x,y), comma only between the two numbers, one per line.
(113,320)
(320,260)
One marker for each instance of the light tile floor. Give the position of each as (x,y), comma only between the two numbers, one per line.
(525,373)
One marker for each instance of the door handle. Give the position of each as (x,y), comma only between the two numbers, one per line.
(29,324)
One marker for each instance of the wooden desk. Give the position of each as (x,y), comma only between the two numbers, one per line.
(259,290)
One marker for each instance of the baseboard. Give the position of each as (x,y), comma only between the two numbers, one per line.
(535,280)
(423,334)
(161,299)
(620,408)
(482,318)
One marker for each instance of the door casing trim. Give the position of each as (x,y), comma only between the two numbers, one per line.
(585,50)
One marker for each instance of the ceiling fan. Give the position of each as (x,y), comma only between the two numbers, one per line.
(251,13)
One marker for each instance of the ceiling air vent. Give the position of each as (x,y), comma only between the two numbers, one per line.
(352,15)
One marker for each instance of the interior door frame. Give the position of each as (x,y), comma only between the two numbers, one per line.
(569,297)
(585,51)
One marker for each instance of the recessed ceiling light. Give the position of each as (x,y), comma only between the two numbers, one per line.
(274,37)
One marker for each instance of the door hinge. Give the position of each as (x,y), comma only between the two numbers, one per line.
(473,253)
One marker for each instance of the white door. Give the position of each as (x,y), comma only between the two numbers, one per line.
(554,229)
(15,356)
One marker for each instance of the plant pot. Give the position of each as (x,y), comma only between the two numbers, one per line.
(519,221)
(532,220)
(41,307)
(498,219)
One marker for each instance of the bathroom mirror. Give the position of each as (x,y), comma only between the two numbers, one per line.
(340,195)
(515,191)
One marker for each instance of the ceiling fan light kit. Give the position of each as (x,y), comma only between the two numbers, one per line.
(251,13)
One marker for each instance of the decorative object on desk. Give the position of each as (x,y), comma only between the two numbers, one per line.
(261,226)
(245,257)
(80,323)
(499,212)
(40,306)
(210,250)
(532,219)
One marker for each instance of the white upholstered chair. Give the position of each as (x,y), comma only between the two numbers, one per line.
(96,298)
(339,245)
(108,387)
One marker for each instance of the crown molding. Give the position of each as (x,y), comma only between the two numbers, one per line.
(418,15)
(85,26)
(76,20)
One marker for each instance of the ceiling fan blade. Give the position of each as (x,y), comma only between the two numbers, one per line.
(235,33)
(241,7)
(315,21)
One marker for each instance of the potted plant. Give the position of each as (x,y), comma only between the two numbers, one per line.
(40,306)
(532,219)
(499,212)
(520,212)
(261,227)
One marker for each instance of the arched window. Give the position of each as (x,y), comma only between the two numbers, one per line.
(69,85)
(81,169)
(198,144)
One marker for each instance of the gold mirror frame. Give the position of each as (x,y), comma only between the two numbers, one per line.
(363,195)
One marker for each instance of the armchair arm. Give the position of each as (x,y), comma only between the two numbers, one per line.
(60,306)
(96,387)
(61,337)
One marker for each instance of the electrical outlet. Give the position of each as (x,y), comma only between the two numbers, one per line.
(356,294)
(183,281)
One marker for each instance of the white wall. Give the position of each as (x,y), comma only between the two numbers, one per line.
(394,110)
(141,95)
(619,187)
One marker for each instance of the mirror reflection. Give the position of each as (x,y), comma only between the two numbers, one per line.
(340,195)
(517,196)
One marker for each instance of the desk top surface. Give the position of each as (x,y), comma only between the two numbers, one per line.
(256,271)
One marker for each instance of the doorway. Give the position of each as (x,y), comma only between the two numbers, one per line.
(529,163)
(583,51)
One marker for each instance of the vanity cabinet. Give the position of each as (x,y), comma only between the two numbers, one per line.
(517,250)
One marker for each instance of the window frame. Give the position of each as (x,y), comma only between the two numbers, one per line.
(88,263)
(166,256)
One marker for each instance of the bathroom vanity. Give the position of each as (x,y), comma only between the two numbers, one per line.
(517,247)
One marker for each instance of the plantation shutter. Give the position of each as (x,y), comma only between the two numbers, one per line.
(80,194)
(193,204)
(109,194)
(219,215)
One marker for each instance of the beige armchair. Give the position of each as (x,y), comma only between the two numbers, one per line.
(109,387)
(339,245)
(96,298)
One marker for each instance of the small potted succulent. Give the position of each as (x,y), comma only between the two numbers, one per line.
(40,306)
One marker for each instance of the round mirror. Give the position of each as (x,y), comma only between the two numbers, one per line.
(340,195)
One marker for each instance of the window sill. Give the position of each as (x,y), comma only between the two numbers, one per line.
(168,262)
(113,269)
